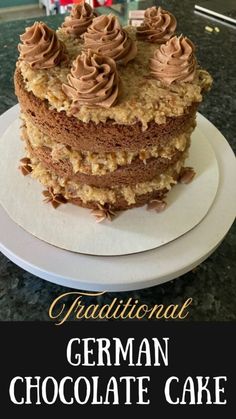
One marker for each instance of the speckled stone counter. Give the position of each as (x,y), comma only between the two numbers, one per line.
(212,285)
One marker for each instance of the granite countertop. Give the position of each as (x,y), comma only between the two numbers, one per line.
(212,285)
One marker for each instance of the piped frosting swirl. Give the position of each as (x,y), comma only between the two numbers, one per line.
(174,61)
(41,47)
(158,25)
(93,81)
(106,37)
(80,18)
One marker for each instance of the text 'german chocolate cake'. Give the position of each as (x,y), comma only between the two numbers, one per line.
(107,111)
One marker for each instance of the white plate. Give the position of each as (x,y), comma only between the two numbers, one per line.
(132,271)
(75,229)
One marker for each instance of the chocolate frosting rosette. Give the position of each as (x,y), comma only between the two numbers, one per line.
(80,18)
(93,81)
(158,25)
(174,61)
(107,37)
(41,47)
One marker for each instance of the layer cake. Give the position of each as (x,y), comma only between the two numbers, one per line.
(108,112)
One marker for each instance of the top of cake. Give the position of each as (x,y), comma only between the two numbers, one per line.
(96,70)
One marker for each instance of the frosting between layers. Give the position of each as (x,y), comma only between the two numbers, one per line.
(101,163)
(142,99)
(71,189)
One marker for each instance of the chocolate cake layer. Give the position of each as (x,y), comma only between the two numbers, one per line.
(101,137)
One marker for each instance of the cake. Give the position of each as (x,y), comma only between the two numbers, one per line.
(108,111)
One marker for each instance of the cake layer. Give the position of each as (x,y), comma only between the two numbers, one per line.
(71,189)
(101,137)
(99,163)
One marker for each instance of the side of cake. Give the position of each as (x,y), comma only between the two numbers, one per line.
(108,112)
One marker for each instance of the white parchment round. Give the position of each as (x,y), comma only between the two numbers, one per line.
(75,229)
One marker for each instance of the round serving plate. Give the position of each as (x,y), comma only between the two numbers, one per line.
(145,269)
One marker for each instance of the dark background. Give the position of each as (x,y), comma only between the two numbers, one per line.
(195,349)
(212,285)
